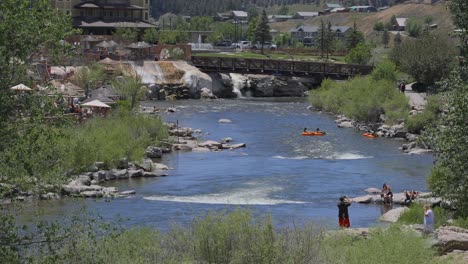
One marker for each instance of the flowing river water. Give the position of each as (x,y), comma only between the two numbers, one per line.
(281,173)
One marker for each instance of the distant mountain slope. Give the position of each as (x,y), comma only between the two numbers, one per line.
(366,21)
(211,7)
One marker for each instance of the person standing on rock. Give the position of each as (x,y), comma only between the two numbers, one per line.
(428,219)
(343,217)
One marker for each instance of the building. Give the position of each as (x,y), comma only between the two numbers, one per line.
(305,15)
(400,24)
(239,15)
(102,17)
(279,18)
(363,9)
(308,35)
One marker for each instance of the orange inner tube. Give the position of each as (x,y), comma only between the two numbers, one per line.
(313,133)
(369,135)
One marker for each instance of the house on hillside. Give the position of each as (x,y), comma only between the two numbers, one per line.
(239,15)
(400,24)
(279,18)
(339,10)
(363,9)
(308,35)
(305,15)
(331,6)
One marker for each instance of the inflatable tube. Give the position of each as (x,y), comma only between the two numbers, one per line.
(313,133)
(369,135)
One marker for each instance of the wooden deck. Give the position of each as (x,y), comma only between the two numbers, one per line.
(280,67)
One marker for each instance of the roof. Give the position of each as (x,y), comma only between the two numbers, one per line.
(357,7)
(401,21)
(93,5)
(237,13)
(105,24)
(96,103)
(333,5)
(338,9)
(306,29)
(307,14)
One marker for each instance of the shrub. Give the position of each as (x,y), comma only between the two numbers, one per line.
(394,245)
(415,215)
(361,54)
(122,135)
(361,98)
(427,118)
(385,70)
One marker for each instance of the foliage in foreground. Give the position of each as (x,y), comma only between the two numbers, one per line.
(235,237)
(427,118)
(361,98)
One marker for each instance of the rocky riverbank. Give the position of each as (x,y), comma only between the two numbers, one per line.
(87,183)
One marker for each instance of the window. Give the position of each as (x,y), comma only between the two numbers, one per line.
(111,14)
(146,16)
(146,2)
(81,13)
(68,12)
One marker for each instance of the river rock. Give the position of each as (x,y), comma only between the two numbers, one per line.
(84,179)
(411,137)
(153,152)
(194,79)
(345,124)
(419,151)
(407,147)
(110,190)
(91,194)
(135,173)
(197,131)
(49,196)
(183,147)
(99,176)
(181,132)
(146,165)
(398,131)
(393,215)
(200,149)
(224,121)
(452,238)
(226,140)
(206,93)
(363,199)
(151,174)
(233,146)
(372,190)
(210,144)
(160,166)
(126,193)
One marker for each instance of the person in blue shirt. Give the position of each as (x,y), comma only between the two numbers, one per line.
(428,219)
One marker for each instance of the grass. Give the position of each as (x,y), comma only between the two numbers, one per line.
(234,237)
(415,215)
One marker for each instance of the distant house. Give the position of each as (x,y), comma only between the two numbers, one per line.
(222,17)
(339,10)
(331,6)
(239,15)
(308,35)
(400,24)
(279,18)
(305,15)
(363,9)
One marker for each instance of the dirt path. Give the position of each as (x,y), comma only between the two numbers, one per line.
(416,100)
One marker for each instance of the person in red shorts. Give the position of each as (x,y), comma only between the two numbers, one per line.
(343,217)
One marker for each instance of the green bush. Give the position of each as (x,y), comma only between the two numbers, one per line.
(393,245)
(361,98)
(415,215)
(427,118)
(461,222)
(122,135)
(386,70)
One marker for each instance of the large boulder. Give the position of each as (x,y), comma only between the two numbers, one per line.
(210,144)
(345,124)
(452,238)
(153,152)
(372,190)
(269,86)
(398,131)
(194,79)
(363,199)
(206,93)
(393,215)
(222,85)
(146,165)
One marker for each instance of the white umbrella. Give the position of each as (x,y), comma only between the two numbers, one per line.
(20,87)
(104,44)
(96,103)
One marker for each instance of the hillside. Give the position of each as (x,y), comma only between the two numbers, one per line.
(366,21)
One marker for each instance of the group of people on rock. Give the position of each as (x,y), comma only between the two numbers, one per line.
(387,195)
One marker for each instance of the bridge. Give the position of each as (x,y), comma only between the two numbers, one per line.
(280,67)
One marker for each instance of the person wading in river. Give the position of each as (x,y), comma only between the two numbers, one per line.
(343,217)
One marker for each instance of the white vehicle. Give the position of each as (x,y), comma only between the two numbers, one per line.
(244,45)
(266,46)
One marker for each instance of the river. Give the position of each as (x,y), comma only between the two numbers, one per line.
(280,172)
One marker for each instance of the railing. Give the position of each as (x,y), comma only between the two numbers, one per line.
(280,67)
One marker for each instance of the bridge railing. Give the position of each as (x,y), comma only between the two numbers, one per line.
(285,67)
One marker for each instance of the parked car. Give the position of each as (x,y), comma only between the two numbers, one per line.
(244,45)
(266,45)
(224,43)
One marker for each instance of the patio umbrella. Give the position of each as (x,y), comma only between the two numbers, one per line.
(139,45)
(89,39)
(96,103)
(113,43)
(108,61)
(20,87)
(104,44)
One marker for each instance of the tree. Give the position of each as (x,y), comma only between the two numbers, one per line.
(150,35)
(385,38)
(284,10)
(251,29)
(283,39)
(393,20)
(397,39)
(413,27)
(89,77)
(131,88)
(428,59)
(379,26)
(355,37)
(201,23)
(262,31)
(361,54)
(127,33)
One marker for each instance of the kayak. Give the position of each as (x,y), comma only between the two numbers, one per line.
(369,135)
(313,133)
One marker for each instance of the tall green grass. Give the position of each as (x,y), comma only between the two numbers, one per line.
(427,118)
(234,237)
(122,135)
(415,215)
(361,98)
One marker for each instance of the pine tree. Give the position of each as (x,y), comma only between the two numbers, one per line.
(355,37)
(385,38)
(262,32)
